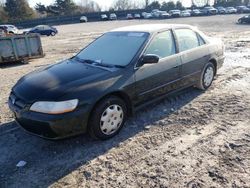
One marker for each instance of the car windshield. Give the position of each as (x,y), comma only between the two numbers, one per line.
(114,48)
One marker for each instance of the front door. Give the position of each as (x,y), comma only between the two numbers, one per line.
(154,80)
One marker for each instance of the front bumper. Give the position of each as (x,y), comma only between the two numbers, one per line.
(52,126)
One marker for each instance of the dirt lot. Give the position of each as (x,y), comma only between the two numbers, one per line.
(193,140)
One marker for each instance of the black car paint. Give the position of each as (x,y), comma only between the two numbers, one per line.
(244,19)
(46,32)
(137,85)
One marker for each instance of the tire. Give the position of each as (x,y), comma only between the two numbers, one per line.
(111,111)
(53,33)
(240,21)
(207,77)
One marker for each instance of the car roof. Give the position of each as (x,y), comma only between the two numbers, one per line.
(42,25)
(151,28)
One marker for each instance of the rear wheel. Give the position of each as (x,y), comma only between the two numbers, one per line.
(207,77)
(107,118)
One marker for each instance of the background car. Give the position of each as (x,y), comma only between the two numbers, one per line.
(209,10)
(185,13)
(242,9)
(155,13)
(196,12)
(129,16)
(164,15)
(147,15)
(188,10)
(104,17)
(43,30)
(112,16)
(231,10)
(137,16)
(11,29)
(83,19)
(244,19)
(221,10)
(175,13)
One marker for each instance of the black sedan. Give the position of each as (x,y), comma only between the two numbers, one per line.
(124,69)
(43,30)
(244,19)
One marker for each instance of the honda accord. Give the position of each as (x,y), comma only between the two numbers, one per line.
(96,90)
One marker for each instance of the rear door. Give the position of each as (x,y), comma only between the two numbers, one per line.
(194,54)
(47,30)
(153,80)
(39,30)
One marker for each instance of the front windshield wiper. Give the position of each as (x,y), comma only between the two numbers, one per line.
(98,63)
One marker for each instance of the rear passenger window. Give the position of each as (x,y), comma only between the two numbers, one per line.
(201,40)
(187,39)
(162,45)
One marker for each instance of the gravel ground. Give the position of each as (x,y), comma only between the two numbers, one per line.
(194,139)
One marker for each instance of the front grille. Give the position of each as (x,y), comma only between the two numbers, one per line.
(19,103)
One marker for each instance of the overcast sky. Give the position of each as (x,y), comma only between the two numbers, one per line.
(102,3)
(105,4)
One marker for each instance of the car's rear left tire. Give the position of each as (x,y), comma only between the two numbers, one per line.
(206,77)
(107,118)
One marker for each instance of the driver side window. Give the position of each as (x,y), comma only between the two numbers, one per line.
(39,28)
(162,45)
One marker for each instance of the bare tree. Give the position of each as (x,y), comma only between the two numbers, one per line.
(88,6)
(122,5)
(200,2)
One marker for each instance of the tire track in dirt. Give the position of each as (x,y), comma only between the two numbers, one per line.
(127,165)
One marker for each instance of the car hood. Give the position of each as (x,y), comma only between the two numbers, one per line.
(53,82)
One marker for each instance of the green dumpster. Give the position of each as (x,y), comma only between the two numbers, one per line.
(20,48)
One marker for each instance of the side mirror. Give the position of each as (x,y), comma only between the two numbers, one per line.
(149,59)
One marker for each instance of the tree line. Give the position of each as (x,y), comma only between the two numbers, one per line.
(18,10)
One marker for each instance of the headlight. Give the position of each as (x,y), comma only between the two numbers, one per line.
(54,107)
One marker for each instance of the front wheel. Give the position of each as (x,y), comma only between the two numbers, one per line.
(207,77)
(53,33)
(107,118)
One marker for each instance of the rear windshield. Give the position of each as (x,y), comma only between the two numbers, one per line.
(114,48)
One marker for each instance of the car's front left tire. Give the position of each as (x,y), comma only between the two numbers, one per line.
(53,33)
(107,118)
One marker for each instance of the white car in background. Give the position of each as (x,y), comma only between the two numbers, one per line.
(112,16)
(155,13)
(12,29)
(137,16)
(83,19)
(147,15)
(185,13)
(231,10)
